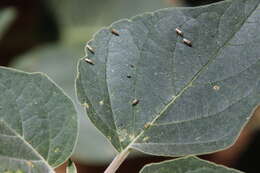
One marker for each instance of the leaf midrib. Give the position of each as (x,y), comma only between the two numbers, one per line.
(192,80)
(110,102)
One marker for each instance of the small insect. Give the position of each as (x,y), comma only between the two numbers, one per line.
(132,66)
(135,102)
(187,42)
(147,125)
(90,49)
(89,61)
(128,76)
(216,87)
(115,32)
(179,32)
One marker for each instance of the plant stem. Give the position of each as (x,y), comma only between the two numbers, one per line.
(118,160)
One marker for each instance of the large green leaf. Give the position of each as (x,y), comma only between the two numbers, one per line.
(38,123)
(186,165)
(192,100)
(6,17)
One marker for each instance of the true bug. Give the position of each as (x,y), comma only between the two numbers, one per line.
(115,32)
(135,102)
(89,61)
(216,87)
(90,49)
(187,42)
(179,32)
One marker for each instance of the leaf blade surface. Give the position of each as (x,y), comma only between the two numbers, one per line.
(186,165)
(188,96)
(38,122)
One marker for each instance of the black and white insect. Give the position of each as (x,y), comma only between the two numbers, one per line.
(179,32)
(90,48)
(135,102)
(89,61)
(115,32)
(216,87)
(187,42)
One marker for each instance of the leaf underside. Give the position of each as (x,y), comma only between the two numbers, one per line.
(38,123)
(192,100)
(186,165)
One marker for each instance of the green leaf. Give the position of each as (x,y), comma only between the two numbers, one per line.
(51,59)
(192,100)
(6,17)
(38,123)
(186,165)
(71,168)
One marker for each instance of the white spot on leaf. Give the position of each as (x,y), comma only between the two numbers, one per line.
(101,102)
(216,88)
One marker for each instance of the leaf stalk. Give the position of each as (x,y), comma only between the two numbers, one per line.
(118,160)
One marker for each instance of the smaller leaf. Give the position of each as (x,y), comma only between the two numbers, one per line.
(187,165)
(38,123)
(71,167)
